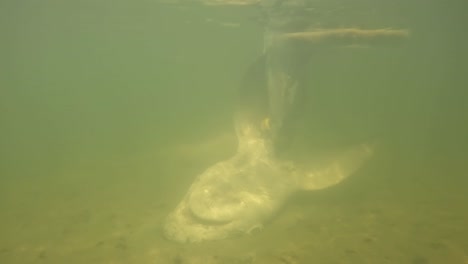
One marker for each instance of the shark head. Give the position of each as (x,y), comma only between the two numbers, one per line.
(238,195)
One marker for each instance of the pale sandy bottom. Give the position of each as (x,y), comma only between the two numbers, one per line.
(112,211)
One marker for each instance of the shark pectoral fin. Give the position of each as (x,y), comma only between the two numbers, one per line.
(336,169)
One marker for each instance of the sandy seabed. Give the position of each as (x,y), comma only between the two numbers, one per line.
(111,212)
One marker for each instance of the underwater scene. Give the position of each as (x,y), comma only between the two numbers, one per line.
(233,131)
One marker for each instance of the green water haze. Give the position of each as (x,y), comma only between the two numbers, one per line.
(110,109)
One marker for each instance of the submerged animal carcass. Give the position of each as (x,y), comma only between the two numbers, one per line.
(238,195)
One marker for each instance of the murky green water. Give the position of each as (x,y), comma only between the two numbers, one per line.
(109,109)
